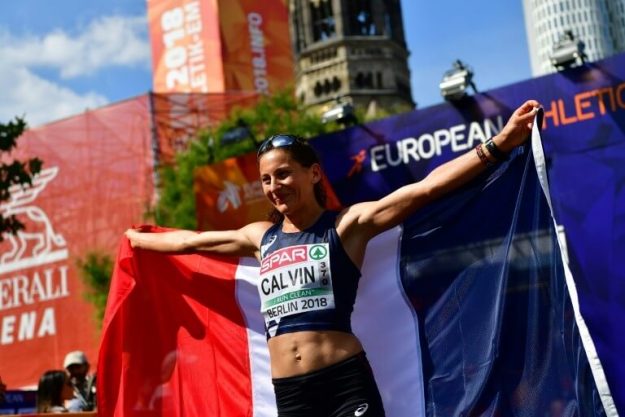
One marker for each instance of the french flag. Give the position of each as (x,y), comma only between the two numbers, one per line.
(183,336)
(467,309)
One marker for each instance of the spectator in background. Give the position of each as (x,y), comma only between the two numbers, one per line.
(53,389)
(77,367)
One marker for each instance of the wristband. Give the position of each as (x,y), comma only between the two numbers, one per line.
(495,151)
(482,155)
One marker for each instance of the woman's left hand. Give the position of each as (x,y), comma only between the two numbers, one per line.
(518,128)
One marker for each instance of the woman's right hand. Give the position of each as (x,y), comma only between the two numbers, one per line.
(133,236)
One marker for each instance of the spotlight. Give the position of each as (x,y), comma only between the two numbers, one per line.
(456,81)
(342,113)
(567,51)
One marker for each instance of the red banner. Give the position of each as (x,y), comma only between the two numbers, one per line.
(178,117)
(186,46)
(96,182)
(256,45)
(215,46)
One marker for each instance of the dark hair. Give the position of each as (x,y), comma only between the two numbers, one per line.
(50,390)
(299,149)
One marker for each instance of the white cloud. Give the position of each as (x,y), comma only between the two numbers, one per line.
(106,42)
(39,100)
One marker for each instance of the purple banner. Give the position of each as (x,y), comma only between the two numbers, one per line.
(584,142)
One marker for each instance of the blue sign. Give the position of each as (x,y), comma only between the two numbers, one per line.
(19,402)
(502,331)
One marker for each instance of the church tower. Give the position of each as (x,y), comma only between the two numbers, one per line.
(351,50)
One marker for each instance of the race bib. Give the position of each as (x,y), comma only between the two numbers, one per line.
(295,279)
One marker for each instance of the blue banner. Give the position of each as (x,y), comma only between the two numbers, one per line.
(502,329)
(19,402)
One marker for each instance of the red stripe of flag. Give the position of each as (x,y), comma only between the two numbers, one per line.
(174,341)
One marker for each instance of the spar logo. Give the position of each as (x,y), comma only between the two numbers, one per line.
(318,252)
(285,257)
(39,243)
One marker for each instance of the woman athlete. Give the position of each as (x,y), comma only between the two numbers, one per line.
(310,265)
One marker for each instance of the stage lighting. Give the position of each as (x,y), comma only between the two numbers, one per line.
(342,113)
(567,52)
(456,81)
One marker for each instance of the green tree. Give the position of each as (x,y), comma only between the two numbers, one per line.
(274,114)
(279,113)
(96,270)
(13,172)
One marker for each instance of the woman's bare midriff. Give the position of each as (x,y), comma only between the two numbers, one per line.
(298,353)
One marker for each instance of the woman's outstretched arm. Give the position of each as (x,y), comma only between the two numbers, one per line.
(241,242)
(365,220)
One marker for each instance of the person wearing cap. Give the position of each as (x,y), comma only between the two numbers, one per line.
(77,367)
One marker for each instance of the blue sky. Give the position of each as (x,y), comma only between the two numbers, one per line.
(59,57)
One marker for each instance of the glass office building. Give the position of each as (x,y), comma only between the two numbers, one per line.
(599,24)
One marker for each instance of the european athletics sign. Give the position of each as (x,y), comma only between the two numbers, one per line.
(584,146)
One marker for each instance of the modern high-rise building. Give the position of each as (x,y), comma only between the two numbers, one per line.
(599,24)
(354,50)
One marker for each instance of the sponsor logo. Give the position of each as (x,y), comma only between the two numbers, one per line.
(229,197)
(361,410)
(359,160)
(234,196)
(284,257)
(263,248)
(318,252)
(39,243)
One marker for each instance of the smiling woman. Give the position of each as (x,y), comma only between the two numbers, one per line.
(277,172)
(310,266)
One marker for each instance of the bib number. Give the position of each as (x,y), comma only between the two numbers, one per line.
(294,280)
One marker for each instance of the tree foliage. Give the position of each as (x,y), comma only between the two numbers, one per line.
(274,114)
(13,173)
(279,113)
(96,270)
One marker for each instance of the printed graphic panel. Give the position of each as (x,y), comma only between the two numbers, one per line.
(229,194)
(186,47)
(583,137)
(256,44)
(96,182)
(179,117)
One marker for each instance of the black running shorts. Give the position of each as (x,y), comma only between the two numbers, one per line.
(345,389)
